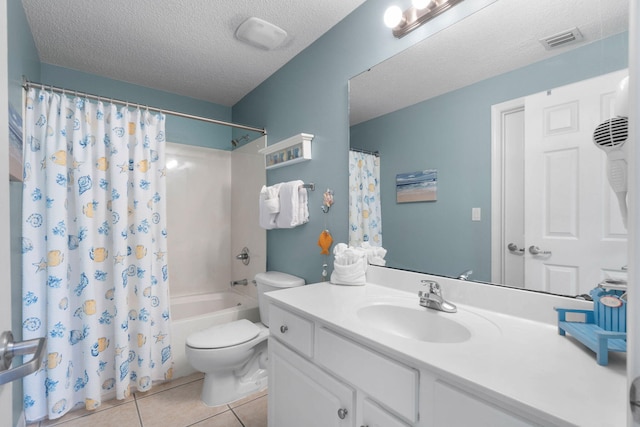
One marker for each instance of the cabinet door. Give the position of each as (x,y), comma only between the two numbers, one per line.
(375,416)
(454,407)
(300,394)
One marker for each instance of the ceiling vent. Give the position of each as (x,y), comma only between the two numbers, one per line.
(561,39)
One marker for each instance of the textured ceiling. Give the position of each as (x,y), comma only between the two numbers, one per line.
(179,46)
(499,38)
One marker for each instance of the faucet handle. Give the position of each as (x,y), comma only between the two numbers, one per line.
(434,287)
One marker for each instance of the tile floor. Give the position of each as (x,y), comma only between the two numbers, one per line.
(173,404)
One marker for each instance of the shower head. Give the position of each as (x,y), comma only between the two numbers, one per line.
(235,142)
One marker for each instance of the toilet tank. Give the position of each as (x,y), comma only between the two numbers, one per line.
(272,281)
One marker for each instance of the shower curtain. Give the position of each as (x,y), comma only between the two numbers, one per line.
(95,278)
(365,218)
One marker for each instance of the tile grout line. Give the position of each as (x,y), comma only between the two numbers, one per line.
(213,416)
(166,389)
(236,415)
(135,400)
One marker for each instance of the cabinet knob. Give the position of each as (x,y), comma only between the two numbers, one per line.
(342,413)
(283,329)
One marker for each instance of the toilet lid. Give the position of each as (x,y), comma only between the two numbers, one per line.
(225,335)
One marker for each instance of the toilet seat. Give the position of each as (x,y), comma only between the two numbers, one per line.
(224,335)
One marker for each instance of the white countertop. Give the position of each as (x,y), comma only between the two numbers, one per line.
(523,363)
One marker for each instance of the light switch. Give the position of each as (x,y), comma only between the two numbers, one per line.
(475,214)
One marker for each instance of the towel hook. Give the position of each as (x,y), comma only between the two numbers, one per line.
(327,200)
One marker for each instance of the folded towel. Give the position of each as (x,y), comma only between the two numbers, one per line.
(349,265)
(292,196)
(272,198)
(303,205)
(352,274)
(269,206)
(375,254)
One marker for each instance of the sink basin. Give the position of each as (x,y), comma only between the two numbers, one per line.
(422,324)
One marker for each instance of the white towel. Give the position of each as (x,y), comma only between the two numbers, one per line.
(292,197)
(269,206)
(352,274)
(375,254)
(349,265)
(303,206)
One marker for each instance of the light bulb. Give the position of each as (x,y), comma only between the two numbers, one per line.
(420,4)
(393,16)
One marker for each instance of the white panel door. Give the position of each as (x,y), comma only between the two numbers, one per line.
(570,211)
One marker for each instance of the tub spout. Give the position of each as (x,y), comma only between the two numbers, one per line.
(243,282)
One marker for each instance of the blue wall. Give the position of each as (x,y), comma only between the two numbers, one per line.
(310,94)
(180,130)
(452,133)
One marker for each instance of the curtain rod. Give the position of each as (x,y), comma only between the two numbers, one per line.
(26,84)
(360,150)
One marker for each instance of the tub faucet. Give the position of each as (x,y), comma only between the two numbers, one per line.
(432,298)
(243,282)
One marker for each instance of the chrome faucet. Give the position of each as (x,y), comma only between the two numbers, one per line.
(432,298)
(465,275)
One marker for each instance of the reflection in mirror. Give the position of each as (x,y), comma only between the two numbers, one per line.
(242,137)
(431,108)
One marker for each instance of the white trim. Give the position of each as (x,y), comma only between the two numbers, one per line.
(633,312)
(498,245)
(6,390)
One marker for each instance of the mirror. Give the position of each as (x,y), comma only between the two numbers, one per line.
(430,107)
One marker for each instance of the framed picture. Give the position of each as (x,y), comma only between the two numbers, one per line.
(15,144)
(419,186)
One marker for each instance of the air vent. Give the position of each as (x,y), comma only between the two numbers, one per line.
(612,133)
(562,39)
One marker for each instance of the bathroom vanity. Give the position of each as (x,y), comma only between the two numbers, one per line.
(371,356)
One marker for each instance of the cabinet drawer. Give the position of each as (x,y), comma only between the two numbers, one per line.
(291,329)
(388,382)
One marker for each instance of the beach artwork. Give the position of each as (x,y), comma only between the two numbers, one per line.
(419,186)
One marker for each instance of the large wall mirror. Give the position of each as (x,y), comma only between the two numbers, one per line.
(453,103)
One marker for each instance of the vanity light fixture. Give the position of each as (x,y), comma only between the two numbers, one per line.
(421,11)
(261,34)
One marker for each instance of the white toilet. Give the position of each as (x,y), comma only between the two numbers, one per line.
(233,356)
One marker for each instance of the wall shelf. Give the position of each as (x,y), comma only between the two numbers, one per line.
(292,150)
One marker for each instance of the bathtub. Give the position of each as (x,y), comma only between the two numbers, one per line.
(195,312)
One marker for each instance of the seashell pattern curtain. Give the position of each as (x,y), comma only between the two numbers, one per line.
(95,278)
(365,215)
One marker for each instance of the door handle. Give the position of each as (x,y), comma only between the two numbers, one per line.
(513,248)
(10,348)
(534,250)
